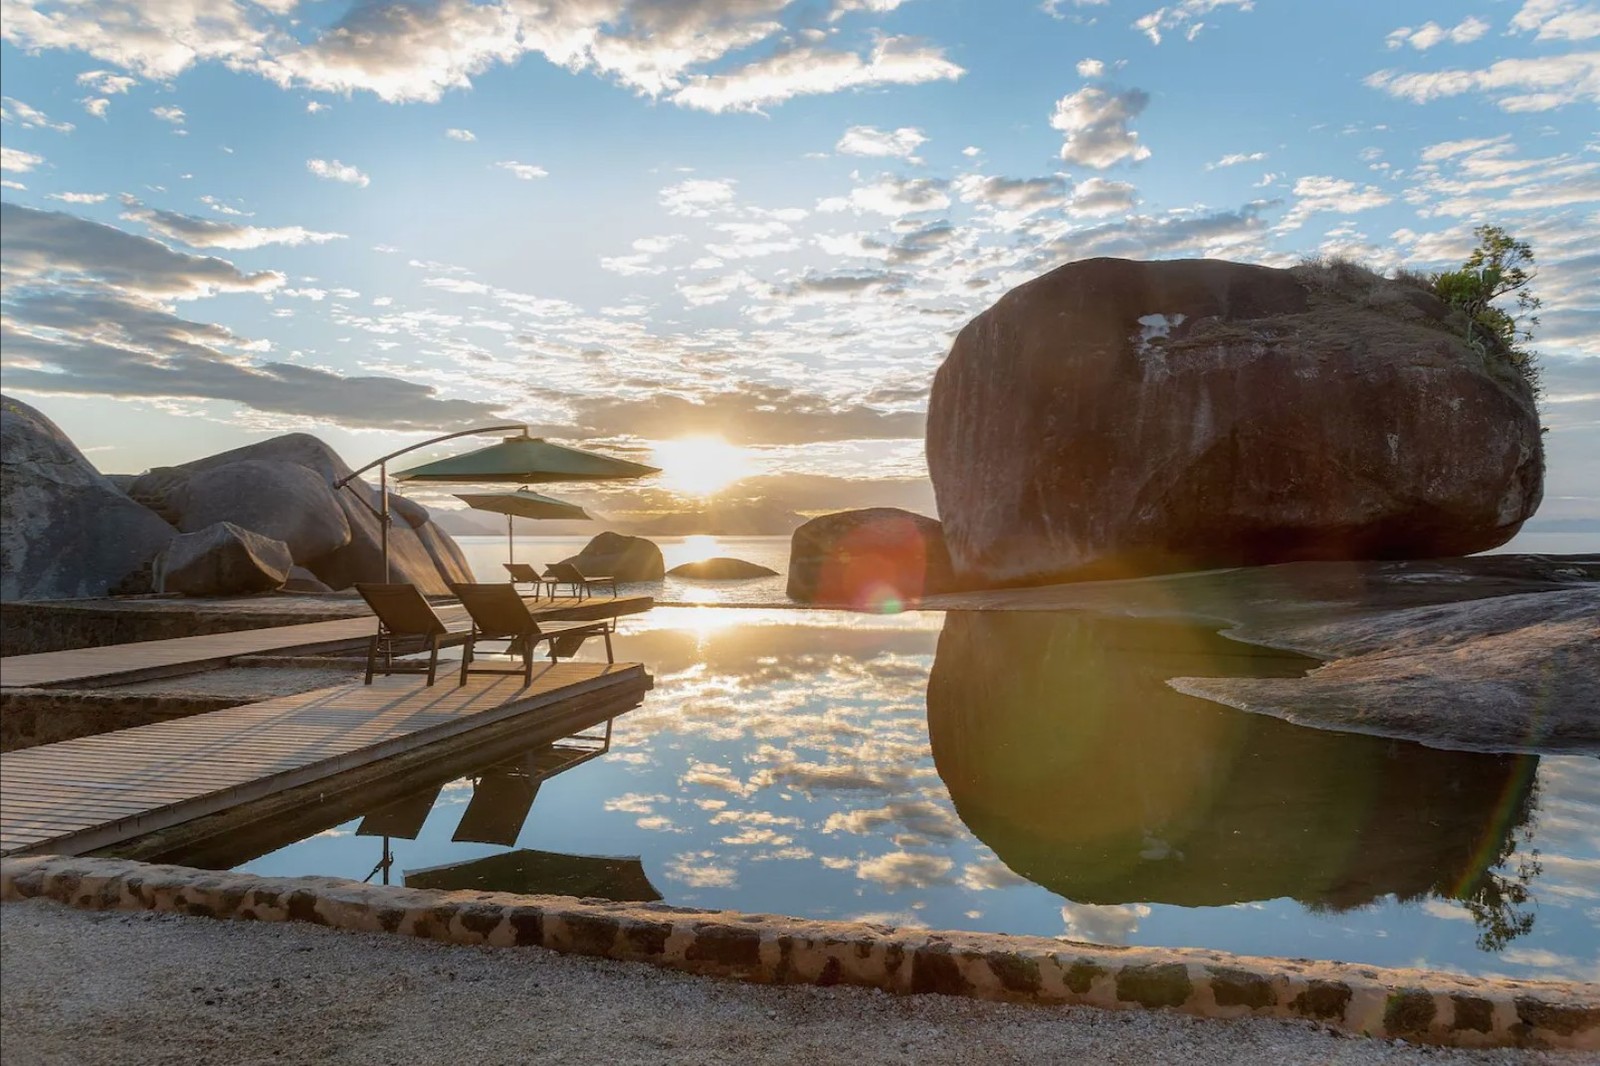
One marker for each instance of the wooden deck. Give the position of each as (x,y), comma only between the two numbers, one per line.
(146,659)
(81,795)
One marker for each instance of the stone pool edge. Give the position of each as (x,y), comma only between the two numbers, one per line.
(1416,1005)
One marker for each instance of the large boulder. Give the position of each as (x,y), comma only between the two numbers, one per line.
(1116,417)
(223,560)
(879,557)
(721,568)
(66,531)
(284,488)
(622,557)
(277,499)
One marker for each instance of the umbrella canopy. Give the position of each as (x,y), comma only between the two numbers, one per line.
(526,461)
(522,504)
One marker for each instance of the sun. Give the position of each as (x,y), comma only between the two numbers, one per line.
(701,466)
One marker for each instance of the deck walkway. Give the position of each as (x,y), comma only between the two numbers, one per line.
(144,659)
(81,795)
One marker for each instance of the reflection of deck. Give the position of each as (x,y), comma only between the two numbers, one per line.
(157,658)
(89,793)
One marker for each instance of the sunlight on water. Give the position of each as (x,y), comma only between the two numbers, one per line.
(1027,773)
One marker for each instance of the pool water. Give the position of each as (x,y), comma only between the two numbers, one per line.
(1022,773)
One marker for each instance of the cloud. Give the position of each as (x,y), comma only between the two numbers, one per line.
(1103,923)
(1233,159)
(901,870)
(17,161)
(893,196)
(96,106)
(460,135)
(1519,85)
(1096,124)
(523,171)
(45,246)
(807,71)
(333,170)
(1557,20)
(210,233)
(1185,15)
(1429,34)
(86,314)
(169,113)
(870,141)
(1323,193)
(697,197)
(1019,195)
(1100,196)
(15,111)
(1090,68)
(80,197)
(755,414)
(106,83)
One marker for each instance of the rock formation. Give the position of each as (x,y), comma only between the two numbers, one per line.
(721,569)
(223,560)
(66,531)
(872,558)
(1114,417)
(283,488)
(624,558)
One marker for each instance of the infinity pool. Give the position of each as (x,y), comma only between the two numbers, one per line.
(1023,773)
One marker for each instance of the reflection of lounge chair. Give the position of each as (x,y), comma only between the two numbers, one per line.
(582,584)
(403,818)
(523,574)
(498,613)
(501,800)
(405,619)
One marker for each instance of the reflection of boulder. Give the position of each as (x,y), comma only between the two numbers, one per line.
(1066,753)
(873,557)
(1115,417)
(721,569)
(65,530)
(624,558)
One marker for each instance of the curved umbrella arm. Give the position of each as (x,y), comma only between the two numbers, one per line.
(523,426)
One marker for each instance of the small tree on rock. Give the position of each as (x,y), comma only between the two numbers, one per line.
(1499,267)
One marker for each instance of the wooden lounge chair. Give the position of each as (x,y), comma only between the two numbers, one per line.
(523,574)
(498,613)
(406,623)
(582,584)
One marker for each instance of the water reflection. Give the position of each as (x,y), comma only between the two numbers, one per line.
(1064,750)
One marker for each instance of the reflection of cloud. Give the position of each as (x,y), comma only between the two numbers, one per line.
(920,816)
(634,803)
(904,869)
(753,836)
(1551,964)
(710,775)
(1449,911)
(1103,924)
(694,869)
(990,874)
(754,818)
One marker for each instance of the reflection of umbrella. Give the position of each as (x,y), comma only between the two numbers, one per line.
(526,460)
(543,873)
(521,504)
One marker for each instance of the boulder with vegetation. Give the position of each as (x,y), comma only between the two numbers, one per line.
(1118,418)
(66,530)
(721,569)
(223,560)
(875,558)
(622,557)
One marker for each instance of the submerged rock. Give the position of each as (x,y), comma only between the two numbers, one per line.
(876,557)
(721,569)
(1113,418)
(66,531)
(622,557)
(223,560)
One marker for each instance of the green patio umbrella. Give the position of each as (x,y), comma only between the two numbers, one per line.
(524,460)
(521,504)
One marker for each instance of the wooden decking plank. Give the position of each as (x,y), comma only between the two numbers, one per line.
(158,656)
(92,791)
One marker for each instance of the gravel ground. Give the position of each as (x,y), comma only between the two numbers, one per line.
(84,987)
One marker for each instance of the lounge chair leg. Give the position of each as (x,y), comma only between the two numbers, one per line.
(433,661)
(466,655)
(372,659)
(609,657)
(527,663)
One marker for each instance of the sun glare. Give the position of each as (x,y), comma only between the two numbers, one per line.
(701,466)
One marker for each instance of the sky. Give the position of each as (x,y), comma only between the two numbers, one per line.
(626,222)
